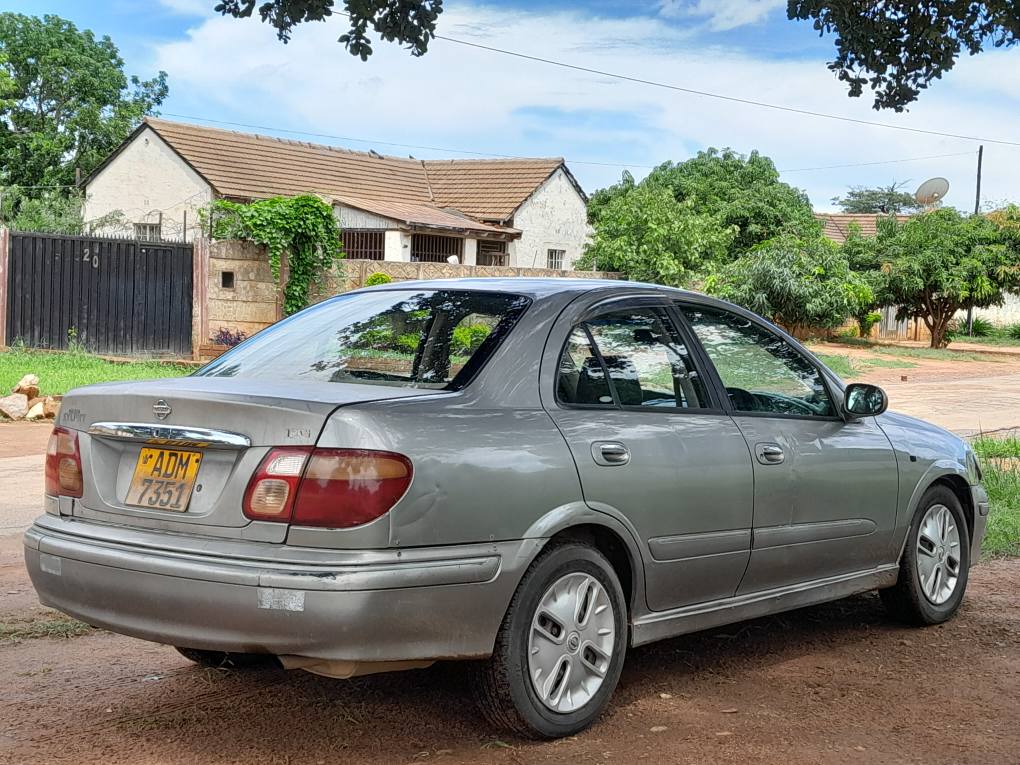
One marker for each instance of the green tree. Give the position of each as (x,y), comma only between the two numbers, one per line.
(889,200)
(409,22)
(898,47)
(798,283)
(65,102)
(601,198)
(742,192)
(51,211)
(650,236)
(941,262)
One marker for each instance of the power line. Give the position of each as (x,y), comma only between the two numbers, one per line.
(376,142)
(513,156)
(883,162)
(721,97)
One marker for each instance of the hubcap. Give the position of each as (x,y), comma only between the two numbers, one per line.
(571,642)
(938,554)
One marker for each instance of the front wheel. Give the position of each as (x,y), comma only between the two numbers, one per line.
(935,562)
(560,649)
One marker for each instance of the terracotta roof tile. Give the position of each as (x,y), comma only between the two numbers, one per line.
(254,166)
(836,226)
(429,216)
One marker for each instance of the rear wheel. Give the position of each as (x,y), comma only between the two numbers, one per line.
(560,650)
(225,660)
(935,562)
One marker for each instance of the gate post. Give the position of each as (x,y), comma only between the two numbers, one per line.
(5,246)
(199,295)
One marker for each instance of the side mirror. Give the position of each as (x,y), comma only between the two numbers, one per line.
(863,400)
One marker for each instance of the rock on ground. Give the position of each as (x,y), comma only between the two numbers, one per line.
(28,385)
(14,406)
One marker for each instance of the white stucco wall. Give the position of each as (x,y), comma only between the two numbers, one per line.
(147,178)
(553,218)
(1003,315)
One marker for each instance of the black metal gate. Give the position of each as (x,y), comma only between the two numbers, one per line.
(116,296)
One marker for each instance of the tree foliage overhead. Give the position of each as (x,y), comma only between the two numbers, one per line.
(941,262)
(408,22)
(881,200)
(65,102)
(897,47)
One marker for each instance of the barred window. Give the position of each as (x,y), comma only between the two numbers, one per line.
(554,259)
(148,232)
(364,244)
(432,248)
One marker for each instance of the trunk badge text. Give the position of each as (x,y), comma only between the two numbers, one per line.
(161,409)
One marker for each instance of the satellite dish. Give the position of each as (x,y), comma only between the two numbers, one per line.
(931,191)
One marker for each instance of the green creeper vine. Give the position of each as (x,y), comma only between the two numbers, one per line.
(303,227)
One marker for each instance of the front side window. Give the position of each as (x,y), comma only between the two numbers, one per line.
(760,370)
(407,338)
(629,358)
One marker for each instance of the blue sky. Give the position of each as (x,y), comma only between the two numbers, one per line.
(476,101)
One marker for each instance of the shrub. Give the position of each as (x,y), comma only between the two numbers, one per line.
(981,327)
(866,322)
(1013,331)
(225,336)
(377,278)
(467,338)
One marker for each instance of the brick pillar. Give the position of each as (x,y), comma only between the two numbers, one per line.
(199,295)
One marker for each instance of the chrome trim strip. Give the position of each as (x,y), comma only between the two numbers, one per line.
(170,435)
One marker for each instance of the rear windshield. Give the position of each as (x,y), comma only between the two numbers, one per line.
(408,338)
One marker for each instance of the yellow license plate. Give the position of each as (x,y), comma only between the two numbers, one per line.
(164,479)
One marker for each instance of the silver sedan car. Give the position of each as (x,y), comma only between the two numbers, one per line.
(537,474)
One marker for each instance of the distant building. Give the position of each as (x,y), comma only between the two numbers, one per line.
(836,226)
(528,213)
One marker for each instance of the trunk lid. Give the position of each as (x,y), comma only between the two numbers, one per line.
(229,422)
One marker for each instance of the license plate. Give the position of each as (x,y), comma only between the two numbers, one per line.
(164,479)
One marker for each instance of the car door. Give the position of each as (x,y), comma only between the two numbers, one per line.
(825,490)
(653,447)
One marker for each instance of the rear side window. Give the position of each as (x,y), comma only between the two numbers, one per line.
(434,339)
(631,358)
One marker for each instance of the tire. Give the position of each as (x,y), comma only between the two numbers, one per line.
(557,586)
(917,598)
(224,660)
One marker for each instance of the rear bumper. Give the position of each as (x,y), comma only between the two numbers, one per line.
(365,606)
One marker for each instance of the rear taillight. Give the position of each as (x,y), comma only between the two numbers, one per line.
(335,488)
(63,464)
(271,491)
(348,487)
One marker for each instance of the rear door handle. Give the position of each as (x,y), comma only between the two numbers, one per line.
(610,453)
(769,454)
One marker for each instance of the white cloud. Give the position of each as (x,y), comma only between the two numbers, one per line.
(467,98)
(721,15)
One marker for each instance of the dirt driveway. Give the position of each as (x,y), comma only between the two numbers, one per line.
(838,683)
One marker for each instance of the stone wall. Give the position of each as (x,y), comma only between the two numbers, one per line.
(252,302)
(351,274)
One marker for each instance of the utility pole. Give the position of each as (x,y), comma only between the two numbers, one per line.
(977,209)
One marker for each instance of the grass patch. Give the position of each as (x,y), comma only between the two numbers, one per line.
(992,340)
(889,363)
(842,365)
(54,627)
(1000,463)
(59,372)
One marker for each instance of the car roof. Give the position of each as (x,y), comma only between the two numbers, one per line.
(530,286)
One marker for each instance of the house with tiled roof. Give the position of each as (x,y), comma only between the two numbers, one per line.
(528,213)
(837,226)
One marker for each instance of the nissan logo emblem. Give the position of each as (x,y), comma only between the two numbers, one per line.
(161,409)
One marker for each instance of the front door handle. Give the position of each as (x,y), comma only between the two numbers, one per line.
(610,453)
(769,454)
